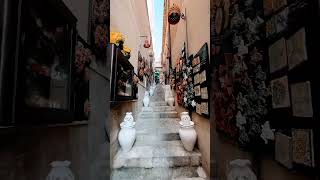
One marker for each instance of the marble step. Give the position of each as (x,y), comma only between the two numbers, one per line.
(169,114)
(158,103)
(163,109)
(153,173)
(159,109)
(151,138)
(157,126)
(156,156)
(188,178)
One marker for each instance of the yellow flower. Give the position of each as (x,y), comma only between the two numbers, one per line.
(126,49)
(116,37)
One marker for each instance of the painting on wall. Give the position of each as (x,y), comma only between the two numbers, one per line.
(283,149)
(302,145)
(278,55)
(296,48)
(301,99)
(280,93)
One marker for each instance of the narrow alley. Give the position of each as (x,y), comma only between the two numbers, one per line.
(158,153)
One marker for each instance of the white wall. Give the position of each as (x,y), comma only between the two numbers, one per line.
(130,17)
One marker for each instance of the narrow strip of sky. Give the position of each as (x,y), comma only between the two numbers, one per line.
(156,23)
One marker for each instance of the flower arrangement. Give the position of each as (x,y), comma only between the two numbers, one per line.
(83,56)
(126,51)
(116,38)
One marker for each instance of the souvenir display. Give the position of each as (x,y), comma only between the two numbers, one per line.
(198,108)
(296,48)
(280,93)
(278,4)
(240,75)
(301,99)
(281,20)
(271,27)
(278,55)
(196,69)
(200,77)
(302,145)
(196,61)
(204,93)
(197,91)
(283,149)
(203,77)
(268,6)
(204,108)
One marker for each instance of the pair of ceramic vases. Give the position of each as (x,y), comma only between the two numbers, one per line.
(127,134)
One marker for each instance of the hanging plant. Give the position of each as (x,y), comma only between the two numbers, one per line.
(146,44)
(174,15)
(126,51)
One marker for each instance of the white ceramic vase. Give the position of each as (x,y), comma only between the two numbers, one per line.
(185,118)
(187,133)
(60,170)
(171,101)
(146,99)
(188,137)
(239,169)
(126,137)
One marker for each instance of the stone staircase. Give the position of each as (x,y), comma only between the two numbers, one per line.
(158,153)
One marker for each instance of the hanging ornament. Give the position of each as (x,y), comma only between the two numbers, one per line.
(174,15)
(146,44)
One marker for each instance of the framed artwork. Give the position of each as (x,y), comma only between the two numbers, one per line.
(198,108)
(197,91)
(280,93)
(203,76)
(302,147)
(204,108)
(204,93)
(196,69)
(296,48)
(283,149)
(197,79)
(196,61)
(278,55)
(301,99)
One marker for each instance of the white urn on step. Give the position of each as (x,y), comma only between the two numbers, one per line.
(170,101)
(60,170)
(146,99)
(240,169)
(127,134)
(187,133)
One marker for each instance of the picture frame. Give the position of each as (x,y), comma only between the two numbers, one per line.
(204,93)
(296,49)
(278,56)
(280,93)
(301,99)
(197,91)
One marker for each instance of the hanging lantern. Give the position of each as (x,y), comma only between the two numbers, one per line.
(174,14)
(146,44)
